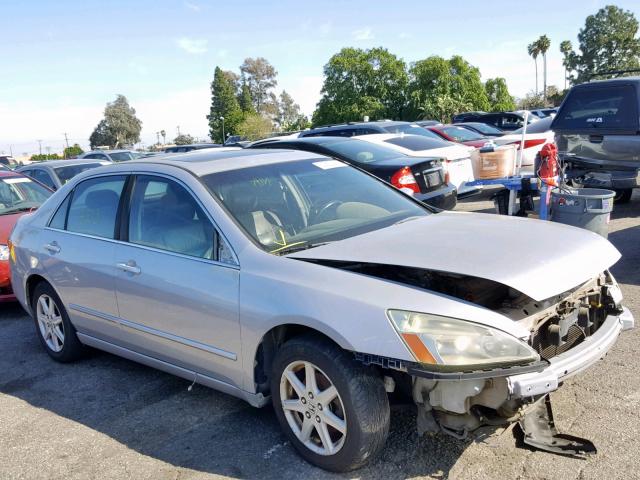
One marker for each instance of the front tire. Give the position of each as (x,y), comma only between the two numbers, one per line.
(53,327)
(623,196)
(334,411)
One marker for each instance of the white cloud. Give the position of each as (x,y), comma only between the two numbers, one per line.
(192,45)
(365,33)
(192,6)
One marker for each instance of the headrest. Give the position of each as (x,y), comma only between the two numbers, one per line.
(242,198)
(102,199)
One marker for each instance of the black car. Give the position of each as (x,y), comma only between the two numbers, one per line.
(353,129)
(463,117)
(482,128)
(421,177)
(188,148)
(597,131)
(501,120)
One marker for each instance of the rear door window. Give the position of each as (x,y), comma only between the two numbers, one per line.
(611,107)
(43,177)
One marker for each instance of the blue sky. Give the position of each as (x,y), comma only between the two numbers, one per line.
(62,61)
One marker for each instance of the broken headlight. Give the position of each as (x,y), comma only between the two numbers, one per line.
(449,342)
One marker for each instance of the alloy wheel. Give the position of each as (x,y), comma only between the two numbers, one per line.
(50,323)
(313,408)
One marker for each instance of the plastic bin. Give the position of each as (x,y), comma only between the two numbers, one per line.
(588,208)
(498,163)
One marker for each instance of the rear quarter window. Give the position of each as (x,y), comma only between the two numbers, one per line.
(610,107)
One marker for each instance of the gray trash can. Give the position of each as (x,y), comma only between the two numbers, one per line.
(588,208)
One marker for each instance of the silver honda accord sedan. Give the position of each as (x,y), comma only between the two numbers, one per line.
(292,277)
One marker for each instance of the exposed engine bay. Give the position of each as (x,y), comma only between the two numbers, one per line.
(459,406)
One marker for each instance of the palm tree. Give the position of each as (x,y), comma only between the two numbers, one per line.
(534,50)
(565,49)
(543,45)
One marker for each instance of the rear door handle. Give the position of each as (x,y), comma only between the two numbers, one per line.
(129,267)
(52,248)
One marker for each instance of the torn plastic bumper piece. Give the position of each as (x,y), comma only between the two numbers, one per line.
(539,431)
(573,361)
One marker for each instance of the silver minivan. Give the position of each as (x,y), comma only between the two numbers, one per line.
(293,277)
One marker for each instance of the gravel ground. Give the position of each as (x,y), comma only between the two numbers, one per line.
(105,417)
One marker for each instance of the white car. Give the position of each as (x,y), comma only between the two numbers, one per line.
(457,158)
(537,135)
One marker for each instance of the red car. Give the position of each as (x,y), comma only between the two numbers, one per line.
(18,195)
(453,133)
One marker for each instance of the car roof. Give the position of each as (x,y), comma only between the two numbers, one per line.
(10,173)
(207,161)
(375,123)
(108,151)
(62,163)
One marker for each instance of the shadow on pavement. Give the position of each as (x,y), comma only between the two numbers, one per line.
(153,413)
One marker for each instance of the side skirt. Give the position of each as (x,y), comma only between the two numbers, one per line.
(255,400)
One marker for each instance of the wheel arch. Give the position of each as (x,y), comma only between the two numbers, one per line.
(32,281)
(276,336)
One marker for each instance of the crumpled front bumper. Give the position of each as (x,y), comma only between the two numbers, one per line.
(572,361)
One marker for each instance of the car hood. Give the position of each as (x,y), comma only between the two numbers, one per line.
(538,258)
(6,225)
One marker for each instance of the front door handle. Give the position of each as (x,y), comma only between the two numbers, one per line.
(52,248)
(129,267)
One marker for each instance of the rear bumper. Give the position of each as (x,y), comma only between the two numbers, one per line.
(573,361)
(6,292)
(603,177)
(444,198)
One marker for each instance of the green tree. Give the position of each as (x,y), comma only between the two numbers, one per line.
(102,136)
(260,76)
(439,88)
(41,157)
(362,82)
(255,127)
(224,103)
(73,151)
(244,99)
(498,94)
(543,45)
(121,120)
(565,50)
(290,118)
(183,139)
(534,50)
(607,42)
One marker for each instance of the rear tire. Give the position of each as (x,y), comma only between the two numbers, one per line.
(355,422)
(53,327)
(623,196)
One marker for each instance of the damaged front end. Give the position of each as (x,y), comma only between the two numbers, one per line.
(568,333)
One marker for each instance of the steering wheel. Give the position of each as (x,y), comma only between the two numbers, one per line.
(332,204)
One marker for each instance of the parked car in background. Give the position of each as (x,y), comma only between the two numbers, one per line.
(55,173)
(597,131)
(457,164)
(463,117)
(8,161)
(457,134)
(427,123)
(290,277)
(18,195)
(544,112)
(368,128)
(538,134)
(110,155)
(482,128)
(501,120)
(188,148)
(421,177)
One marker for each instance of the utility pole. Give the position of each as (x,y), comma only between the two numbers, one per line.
(48,152)
(222,118)
(66,139)
(40,146)
(178,127)
(11,150)
(158,136)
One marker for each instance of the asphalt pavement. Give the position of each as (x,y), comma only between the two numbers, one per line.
(106,417)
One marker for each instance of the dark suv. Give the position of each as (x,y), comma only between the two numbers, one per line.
(352,129)
(501,120)
(597,131)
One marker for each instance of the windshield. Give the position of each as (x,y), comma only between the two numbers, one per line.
(18,194)
(416,143)
(460,134)
(484,128)
(289,206)
(120,156)
(65,174)
(412,129)
(540,126)
(363,152)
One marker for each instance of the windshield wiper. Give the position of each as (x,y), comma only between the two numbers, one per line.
(18,209)
(296,247)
